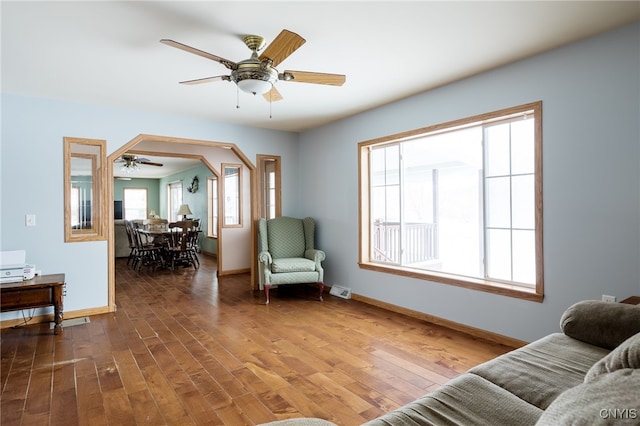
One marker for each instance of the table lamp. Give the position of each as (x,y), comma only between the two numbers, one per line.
(184,211)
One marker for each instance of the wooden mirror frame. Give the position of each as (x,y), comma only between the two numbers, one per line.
(91,226)
(266,164)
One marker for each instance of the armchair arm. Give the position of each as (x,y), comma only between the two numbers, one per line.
(603,324)
(265,257)
(315,255)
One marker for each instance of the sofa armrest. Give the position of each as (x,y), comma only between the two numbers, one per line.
(603,324)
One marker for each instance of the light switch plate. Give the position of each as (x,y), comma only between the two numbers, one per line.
(30,220)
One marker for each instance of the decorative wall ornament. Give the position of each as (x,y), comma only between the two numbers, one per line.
(194,185)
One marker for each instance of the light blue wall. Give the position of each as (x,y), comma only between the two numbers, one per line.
(31,178)
(591,114)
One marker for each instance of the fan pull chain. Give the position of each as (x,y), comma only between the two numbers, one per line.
(237,97)
(270,102)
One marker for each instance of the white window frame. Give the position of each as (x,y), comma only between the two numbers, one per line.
(533,292)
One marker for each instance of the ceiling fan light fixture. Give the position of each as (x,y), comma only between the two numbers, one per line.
(130,167)
(253,76)
(254,86)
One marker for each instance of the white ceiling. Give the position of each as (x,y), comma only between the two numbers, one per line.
(170,165)
(109,52)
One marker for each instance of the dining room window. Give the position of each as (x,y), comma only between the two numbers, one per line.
(135,203)
(174,200)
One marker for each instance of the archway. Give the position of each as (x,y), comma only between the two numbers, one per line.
(163,145)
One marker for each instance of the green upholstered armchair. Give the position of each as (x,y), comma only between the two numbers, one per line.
(287,253)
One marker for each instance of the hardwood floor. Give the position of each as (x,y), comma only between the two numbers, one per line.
(186,348)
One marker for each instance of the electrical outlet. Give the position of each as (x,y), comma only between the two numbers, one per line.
(30,220)
(606,298)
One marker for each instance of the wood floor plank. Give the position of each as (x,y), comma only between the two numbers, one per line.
(129,372)
(64,405)
(39,393)
(90,402)
(118,408)
(144,408)
(186,347)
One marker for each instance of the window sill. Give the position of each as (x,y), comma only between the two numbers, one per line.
(473,284)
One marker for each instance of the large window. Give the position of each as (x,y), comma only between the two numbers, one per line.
(459,203)
(135,203)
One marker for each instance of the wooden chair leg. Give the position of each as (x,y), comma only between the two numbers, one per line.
(321,285)
(266,292)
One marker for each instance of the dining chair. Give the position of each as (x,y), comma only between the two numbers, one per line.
(146,253)
(181,246)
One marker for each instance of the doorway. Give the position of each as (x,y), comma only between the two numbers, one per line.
(211,153)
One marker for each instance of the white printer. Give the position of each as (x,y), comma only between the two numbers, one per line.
(14,268)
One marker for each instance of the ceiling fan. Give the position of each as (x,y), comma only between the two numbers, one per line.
(258,75)
(130,163)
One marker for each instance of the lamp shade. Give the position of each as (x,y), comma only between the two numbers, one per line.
(184,210)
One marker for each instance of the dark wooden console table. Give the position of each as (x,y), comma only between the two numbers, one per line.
(38,292)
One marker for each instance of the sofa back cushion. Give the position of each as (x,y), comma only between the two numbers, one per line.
(609,399)
(627,355)
(542,370)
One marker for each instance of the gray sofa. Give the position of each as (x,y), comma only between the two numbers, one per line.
(122,248)
(587,375)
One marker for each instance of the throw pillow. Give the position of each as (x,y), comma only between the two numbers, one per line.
(608,399)
(627,355)
(600,323)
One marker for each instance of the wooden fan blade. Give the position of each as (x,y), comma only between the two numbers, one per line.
(149,163)
(206,80)
(273,95)
(316,78)
(284,45)
(227,63)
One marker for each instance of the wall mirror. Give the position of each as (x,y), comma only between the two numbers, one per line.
(232,196)
(84,182)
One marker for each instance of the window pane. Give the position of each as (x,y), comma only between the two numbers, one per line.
(499,254)
(377,167)
(523,189)
(522,146)
(497,202)
(392,159)
(497,150)
(459,221)
(135,203)
(174,200)
(232,194)
(524,256)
